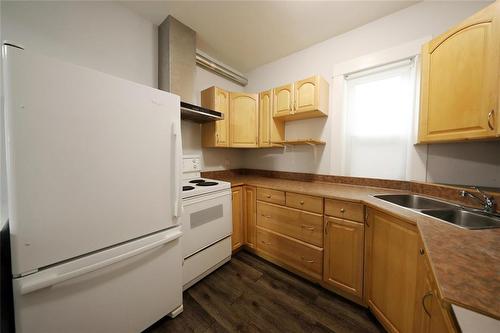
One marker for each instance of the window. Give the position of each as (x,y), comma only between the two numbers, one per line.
(379,115)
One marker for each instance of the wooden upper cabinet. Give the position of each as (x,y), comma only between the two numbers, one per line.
(283,100)
(391,270)
(303,99)
(216,133)
(270,129)
(243,120)
(343,255)
(311,96)
(459,85)
(265,111)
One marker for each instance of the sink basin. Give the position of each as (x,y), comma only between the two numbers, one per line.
(464,218)
(413,201)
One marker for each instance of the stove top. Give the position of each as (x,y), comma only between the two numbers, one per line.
(196,181)
(206,183)
(198,186)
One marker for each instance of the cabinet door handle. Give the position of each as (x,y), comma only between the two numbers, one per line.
(421,251)
(301,202)
(268,196)
(490,117)
(308,227)
(326,227)
(342,210)
(217,137)
(266,216)
(423,303)
(308,261)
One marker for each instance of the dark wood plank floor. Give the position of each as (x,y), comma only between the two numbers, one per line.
(248,294)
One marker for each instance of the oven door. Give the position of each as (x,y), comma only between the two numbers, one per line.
(206,219)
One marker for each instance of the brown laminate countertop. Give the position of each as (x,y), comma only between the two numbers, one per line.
(465,263)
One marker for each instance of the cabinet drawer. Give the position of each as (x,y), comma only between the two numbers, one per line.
(307,227)
(345,210)
(305,202)
(303,257)
(273,196)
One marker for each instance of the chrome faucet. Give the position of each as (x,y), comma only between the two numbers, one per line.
(488,202)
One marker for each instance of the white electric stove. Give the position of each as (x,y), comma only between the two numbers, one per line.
(206,222)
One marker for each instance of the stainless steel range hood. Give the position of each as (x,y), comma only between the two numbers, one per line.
(177,68)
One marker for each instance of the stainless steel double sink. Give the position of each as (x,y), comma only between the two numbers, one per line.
(468,218)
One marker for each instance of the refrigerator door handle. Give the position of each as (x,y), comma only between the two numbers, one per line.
(40,282)
(177,169)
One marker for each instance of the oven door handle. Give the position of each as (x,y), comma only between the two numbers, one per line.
(206,197)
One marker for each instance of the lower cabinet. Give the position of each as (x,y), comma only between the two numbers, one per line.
(431,316)
(249,216)
(306,258)
(374,259)
(343,256)
(237,236)
(391,270)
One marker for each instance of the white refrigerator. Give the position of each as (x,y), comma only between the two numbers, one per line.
(93,182)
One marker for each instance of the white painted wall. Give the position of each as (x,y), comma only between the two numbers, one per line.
(111,38)
(467,163)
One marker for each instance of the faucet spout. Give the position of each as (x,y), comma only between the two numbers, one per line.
(488,202)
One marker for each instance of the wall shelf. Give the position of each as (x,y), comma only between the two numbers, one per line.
(310,142)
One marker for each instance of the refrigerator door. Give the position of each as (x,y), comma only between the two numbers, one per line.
(92,160)
(126,288)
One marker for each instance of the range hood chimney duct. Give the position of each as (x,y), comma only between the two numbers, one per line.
(177,68)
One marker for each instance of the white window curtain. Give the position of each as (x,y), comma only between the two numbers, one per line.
(379,120)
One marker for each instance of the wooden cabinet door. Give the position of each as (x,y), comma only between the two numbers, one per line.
(265,117)
(423,292)
(283,100)
(391,267)
(459,85)
(250,211)
(306,95)
(244,120)
(222,126)
(343,255)
(237,236)
(216,133)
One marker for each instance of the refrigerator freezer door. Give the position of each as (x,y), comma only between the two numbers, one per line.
(130,287)
(92,160)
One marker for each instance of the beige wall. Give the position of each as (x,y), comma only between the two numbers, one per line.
(111,38)
(467,163)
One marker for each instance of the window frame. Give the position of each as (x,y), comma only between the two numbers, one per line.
(416,166)
(384,70)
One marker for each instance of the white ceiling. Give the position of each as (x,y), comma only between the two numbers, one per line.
(247,34)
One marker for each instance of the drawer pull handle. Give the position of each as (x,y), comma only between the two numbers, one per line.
(308,227)
(308,261)
(266,243)
(423,303)
(342,210)
(266,216)
(301,202)
(268,196)
(490,116)
(421,251)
